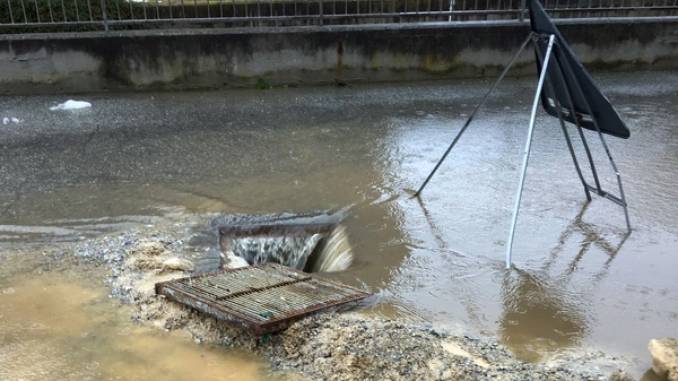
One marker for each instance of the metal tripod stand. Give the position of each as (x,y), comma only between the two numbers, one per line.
(562,70)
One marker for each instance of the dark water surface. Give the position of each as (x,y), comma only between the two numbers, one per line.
(578,283)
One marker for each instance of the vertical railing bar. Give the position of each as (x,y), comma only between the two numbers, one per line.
(23,9)
(221,8)
(37,10)
(195,8)
(320,11)
(104,15)
(49,6)
(77,13)
(117,9)
(144,6)
(11,14)
(89,10)
(208,9)
(63,11)
(131,10)
(183,10)
(234,10)
(157,9)
(171,9)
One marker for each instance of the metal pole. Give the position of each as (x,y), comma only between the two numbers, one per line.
(550,89)
(103,15)
(528,144)
(473,114)
(592,165)
(604,143)
(573,113)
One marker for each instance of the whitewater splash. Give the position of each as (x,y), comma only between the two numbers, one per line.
(313,243)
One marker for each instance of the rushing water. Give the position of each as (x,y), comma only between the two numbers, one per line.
(579,282)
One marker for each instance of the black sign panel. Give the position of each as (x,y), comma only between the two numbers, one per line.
(568,84)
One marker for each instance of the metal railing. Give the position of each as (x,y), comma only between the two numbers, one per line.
(55,15)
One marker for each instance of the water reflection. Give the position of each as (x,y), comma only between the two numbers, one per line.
(591,237)
(538,317)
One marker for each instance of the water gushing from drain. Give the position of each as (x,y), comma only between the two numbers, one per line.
(315,243)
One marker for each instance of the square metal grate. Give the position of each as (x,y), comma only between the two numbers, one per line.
(264,298)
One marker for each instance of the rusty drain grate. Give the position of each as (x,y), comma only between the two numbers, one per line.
(265,298)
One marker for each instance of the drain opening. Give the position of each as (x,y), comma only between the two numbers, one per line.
(301,243)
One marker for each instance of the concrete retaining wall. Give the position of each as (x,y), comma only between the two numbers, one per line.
(211,58)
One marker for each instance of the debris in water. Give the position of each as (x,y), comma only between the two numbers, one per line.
(264,298)
(7,120)
(71,105)
(177,264)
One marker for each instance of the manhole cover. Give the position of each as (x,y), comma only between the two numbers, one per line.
(265,298)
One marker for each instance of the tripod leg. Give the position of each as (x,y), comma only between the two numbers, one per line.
(526,154)
(604,143)
(473,114)
(552,92)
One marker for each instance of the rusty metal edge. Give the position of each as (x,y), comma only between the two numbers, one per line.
(185,298)
(239,320)
(236,230)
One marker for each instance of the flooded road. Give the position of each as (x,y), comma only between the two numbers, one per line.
(57,326)
(579,283)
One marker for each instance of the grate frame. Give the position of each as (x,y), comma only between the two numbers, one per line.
(262,299)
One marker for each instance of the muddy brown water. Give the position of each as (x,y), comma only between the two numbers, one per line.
(579,283)
(59,326)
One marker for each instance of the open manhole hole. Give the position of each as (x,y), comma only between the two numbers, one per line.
(312,243)
(267,282)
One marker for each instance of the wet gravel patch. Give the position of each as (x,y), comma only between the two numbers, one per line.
(331,346)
